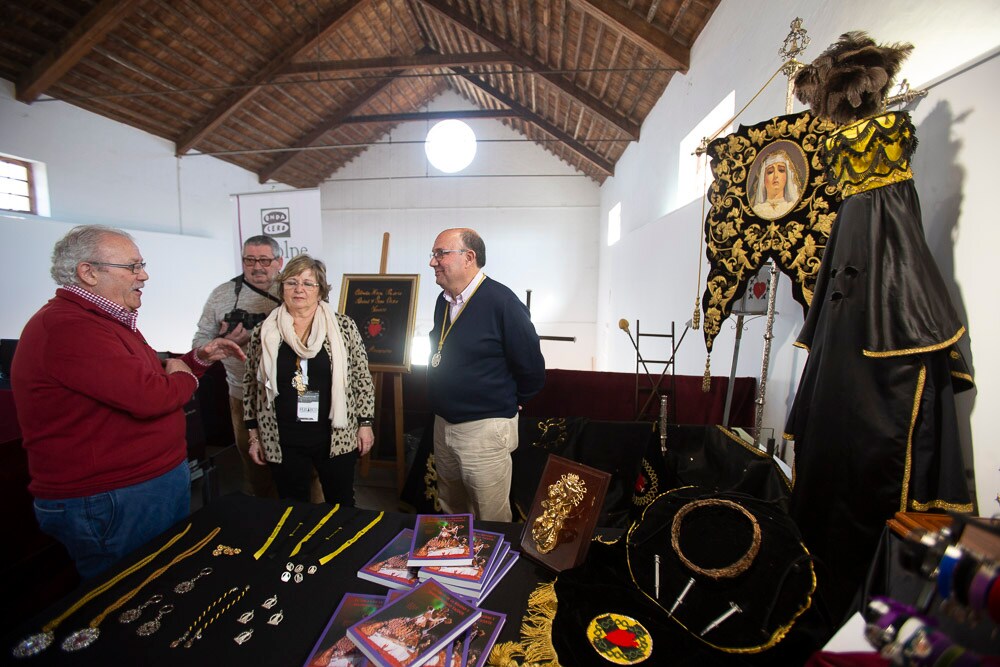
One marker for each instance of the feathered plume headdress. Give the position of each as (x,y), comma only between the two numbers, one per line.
(851,78)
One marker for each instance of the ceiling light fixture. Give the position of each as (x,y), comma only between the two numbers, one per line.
(450,146)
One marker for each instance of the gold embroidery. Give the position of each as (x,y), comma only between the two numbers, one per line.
(940,505)
(739,241)
(916,350)
(921,379)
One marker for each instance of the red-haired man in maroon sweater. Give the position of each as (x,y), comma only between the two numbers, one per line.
(100,415)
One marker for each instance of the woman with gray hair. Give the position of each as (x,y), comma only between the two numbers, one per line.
(308,396)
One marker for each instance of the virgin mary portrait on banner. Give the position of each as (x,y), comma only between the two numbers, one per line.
(769,199)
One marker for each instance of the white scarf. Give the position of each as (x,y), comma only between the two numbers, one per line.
(278,327)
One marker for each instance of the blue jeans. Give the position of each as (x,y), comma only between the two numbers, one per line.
(99,530)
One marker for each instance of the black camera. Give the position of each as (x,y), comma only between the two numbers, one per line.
(240,316)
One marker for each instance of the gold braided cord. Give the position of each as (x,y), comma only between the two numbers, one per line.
(315,528)
(738,567)
(198,633)
(192,550)
(274,534)
(197,620)
(54,623)
(330,556)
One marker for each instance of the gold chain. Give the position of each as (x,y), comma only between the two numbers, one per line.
(54,623)
(192,550)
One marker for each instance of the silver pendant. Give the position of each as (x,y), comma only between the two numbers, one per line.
(188,586)
(276,618)
(149,627)
(245,617)
(299,568)
(436,360)
(286,576)
(270,602)
(289,566)
(312,569)
(243,636)
(80,639)
(298,577)
(33,645)
(133,614)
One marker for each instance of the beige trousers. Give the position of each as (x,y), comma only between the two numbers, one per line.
(474,467)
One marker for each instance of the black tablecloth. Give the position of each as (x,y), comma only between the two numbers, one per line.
(246,523)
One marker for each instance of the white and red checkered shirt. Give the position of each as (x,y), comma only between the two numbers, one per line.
(123,315)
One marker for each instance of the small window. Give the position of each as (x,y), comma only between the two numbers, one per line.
(693,174)
(17,189)
(615,224)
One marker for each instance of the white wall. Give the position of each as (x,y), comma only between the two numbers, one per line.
(537,216)
(104,172)
(652,273)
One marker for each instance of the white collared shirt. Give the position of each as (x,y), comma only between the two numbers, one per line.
(459,301)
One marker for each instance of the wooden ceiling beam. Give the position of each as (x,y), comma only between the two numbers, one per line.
(415,62)
(73,46)
(433,115)
(537,68)
(647,36)
(330,22)
(527,114)
(330,122)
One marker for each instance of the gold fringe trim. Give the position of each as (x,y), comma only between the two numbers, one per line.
(916,350)
(536,646)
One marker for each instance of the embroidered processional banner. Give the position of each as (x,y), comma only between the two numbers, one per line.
(769,198)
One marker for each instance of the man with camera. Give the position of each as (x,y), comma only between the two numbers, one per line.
(233,309)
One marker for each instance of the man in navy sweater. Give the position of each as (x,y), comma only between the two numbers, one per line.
(486,363)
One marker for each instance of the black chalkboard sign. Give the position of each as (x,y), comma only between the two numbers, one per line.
(383,307)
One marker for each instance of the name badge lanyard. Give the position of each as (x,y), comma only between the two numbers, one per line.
(446,326)
(308,402)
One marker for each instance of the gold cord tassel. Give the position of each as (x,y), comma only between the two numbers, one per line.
(696,317)
(706,381)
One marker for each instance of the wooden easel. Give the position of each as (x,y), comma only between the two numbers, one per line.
(397,400)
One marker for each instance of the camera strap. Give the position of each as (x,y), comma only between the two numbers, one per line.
(240,280)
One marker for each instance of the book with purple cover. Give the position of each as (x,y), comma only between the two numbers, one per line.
(486,547)
(388,567)
(508,562)
(441,539)
(480,637)
(333,647)
(411,630)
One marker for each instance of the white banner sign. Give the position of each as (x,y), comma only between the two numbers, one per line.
(291,217)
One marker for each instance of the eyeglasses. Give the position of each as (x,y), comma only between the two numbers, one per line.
(439,254)
(264,261)
(295,284)
(135,268)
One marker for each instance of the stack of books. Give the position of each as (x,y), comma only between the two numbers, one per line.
(447,549)
(439,572)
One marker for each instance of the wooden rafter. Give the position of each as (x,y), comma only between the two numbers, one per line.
(330,21)
(76,44)
(330,122)
(538,68)
(527,114)
(432,115)
(420,61)
(646,35)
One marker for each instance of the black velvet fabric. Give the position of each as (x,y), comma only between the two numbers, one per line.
(246,523)
(774,594)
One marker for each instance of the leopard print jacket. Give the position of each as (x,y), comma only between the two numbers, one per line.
(360,394)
